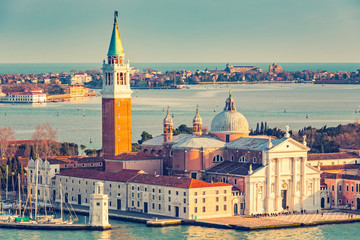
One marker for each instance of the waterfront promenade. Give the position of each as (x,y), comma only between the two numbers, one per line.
(283,221)
(239,222)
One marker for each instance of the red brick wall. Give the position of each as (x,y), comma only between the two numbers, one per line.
(115,113)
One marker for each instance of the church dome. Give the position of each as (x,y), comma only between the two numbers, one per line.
(229,120)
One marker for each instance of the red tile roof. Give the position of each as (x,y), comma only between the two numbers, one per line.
(330,156)
(341,176)
(121,176)
(172,181)
(73,159)
(339,167)
(135,156)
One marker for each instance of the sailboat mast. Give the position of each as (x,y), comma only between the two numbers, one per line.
(29,193)
(61,203)
(7,182)
(45,198)
(36,186)
(19,196)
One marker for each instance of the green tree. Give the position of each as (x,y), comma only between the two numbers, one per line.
(182,129)
(144,137)
(83,147)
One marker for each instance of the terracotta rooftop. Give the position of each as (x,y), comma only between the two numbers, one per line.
(339,167)
(172,181)
(330,156)
(341,176)
(73,159)
(121,176)
(135,156)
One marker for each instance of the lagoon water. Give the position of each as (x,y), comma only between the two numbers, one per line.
(79,120)
(129,231)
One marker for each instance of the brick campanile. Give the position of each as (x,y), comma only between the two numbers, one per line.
(116,99)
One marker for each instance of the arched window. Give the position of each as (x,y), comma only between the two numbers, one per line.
(224,180)
(232,158)
(254,160)
(218,158)
(235,182)
(242,159)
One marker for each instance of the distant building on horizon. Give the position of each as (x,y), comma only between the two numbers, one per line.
(275,68)
(80,78)
(241,69)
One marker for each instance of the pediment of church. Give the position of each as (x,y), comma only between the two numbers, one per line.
(289,145)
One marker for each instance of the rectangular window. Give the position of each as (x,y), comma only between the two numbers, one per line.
(177,193)
(184,193)
(132,203)
(169,208)
(204,209)
(169,199)
(203,192)
(225,207)
(159,206)
(217,208)
(195,193)
(159,198)
(184,209)
(195,200)
(224,199)
(153,206)
(169,192)
(195,209)
(184,200)
(203,200)
(217,199)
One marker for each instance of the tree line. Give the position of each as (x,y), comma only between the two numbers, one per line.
(43,144)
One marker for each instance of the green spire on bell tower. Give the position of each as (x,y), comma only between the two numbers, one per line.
(115,48)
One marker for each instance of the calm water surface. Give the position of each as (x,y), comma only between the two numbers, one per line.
(80,120)
(128,230)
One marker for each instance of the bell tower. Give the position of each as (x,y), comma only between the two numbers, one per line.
(168,127)
(197,123)
(116,99)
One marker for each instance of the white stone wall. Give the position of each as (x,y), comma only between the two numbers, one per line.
(73,187)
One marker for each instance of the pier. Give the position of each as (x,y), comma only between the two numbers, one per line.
(244,223)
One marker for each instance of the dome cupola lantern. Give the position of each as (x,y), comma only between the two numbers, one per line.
(229,124)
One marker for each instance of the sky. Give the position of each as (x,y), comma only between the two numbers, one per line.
(60,31)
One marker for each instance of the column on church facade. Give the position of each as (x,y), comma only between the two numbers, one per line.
(277,186)
(248,199)
(293,184)
(303,186)
(268,207)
